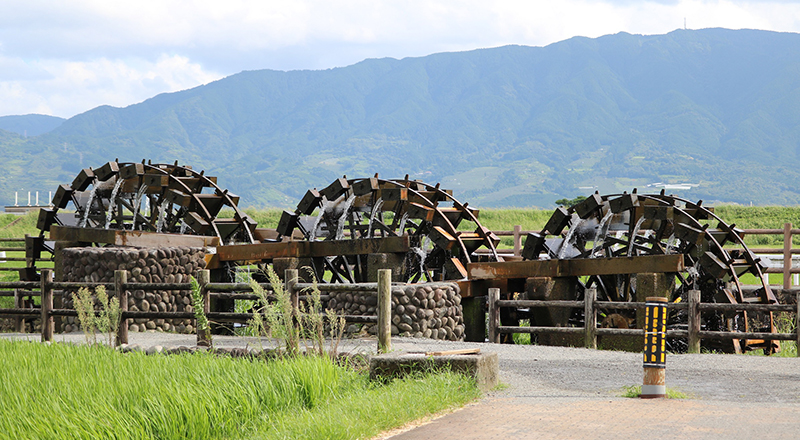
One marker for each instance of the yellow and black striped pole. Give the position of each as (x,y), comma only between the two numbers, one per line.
(655,357)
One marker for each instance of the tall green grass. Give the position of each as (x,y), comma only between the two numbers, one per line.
(16,226)
(88,392)
(761,217)
(505,219)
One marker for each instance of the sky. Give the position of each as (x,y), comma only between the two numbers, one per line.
(62,58)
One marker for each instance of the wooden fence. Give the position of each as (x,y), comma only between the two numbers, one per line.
(47,289)
(8,245)
(787,251)
(517,234)
(591,306)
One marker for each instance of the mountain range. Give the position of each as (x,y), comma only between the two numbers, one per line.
(709,114)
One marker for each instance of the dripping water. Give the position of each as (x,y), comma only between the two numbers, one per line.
(137,201)
(401,229)
(422,254)
(635,232)
(323,207)
(112,205)
(162,215)
(375,210)
(343,217)
(604,224)
(671,241)
(562,251)
(88,206)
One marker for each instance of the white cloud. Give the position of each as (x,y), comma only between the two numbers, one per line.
(72,56)
(76,86)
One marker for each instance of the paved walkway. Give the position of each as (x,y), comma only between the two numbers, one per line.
(544,418)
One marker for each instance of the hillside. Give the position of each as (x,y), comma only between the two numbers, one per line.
(29,125)
(509,126)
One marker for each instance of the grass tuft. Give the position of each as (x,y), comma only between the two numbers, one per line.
(636,391)
(88,392)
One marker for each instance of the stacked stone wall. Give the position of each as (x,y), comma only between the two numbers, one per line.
(162,265)
(422,310)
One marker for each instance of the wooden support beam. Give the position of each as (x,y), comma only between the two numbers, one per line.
(576,267)
(129,238)
(308,249)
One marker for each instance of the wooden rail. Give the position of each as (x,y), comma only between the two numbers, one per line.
(30,242)
(47,290)
(591,307)
(787,232)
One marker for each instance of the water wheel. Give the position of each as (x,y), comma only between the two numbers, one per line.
(444,234)
(163,198)
(715,256)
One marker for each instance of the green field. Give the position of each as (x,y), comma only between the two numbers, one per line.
(88,392)
(744,217)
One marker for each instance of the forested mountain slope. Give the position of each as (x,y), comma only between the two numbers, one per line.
(508,126)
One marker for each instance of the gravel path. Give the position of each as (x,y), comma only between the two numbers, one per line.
(540,371)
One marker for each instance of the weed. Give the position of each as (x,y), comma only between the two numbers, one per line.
(315,319)
(784,323)
(274,316)
(501,386)
(105,320)
(198,305)
(636,391)
(109,316)
(523,338)
(275,319)
(84,305)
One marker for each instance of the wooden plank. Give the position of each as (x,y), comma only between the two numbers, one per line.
(576,267)
(129,238)
(301,249)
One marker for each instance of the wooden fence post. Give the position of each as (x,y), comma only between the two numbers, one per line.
(290,279)
(694,321)
(494,315)
(19,302)
(384,310)
(590,318)
(204,335)
(787,255)
(517,240)
(797,324)
(120,278)
(47,305)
